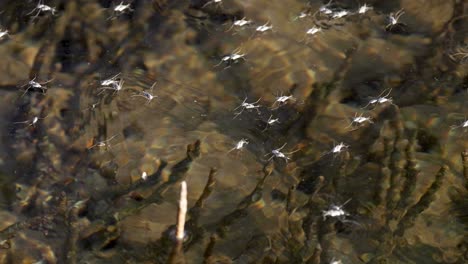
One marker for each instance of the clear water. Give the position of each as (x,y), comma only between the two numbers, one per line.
(355,133)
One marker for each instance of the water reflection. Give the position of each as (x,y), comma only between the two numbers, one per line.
(318,132)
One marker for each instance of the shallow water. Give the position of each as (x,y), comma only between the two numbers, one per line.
(356,149)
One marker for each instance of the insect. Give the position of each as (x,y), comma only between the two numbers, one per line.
(393,20)
(32,84)
(363,9)
(464,125)
(148,96)
(232,58)
(340,14)
(4,34)
(240,23)
(111,81)
(121,8)
(42,8)
(301,15)
(334,261)
(218,2)
(116,86)
(247,106)
(31,122)
(325,10)
(265,27)
(271,121)
(312,31)
(336,211)
(144,176)
(104,143)
(276,153)
(337,149)
(360,121)
(282,100)
(381,99)
(240,145)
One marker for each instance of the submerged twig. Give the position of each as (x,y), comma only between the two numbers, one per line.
(464,156)
(177,254)
(182,211)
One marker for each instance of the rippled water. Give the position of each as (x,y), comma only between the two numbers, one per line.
(307,131)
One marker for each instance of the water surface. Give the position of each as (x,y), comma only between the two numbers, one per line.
(356,136)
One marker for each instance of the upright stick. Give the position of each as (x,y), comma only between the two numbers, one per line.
(177,255)
(182,212)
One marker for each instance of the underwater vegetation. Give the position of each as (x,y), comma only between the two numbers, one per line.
(306,132)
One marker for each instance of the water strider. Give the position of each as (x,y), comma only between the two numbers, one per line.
(403,171)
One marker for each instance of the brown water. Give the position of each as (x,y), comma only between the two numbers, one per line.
(73,153)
